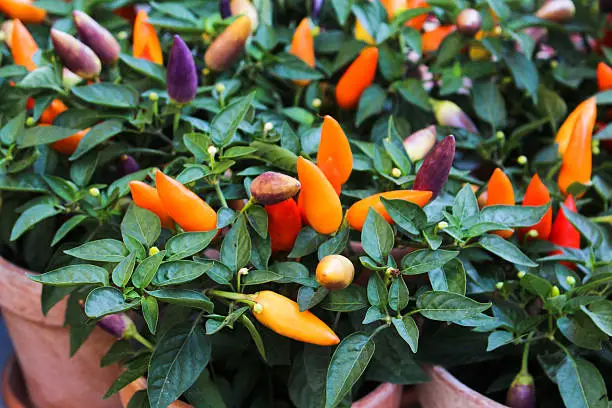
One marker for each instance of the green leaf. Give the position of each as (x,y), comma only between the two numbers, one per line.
(186,244)
(31,217)
(377,236)
(586,227)
(150,312)
(580,384)
(524,72)
(236,246)
(450,48)
(450,278)
(293,272)
(276,156)
(406,215)
(144,67)
(408,330)
(108,94)
(377,291)
(288,66)
(238,151)
(342,9)
(299,115)
(349,361)
(580,330)
(413,92)
(120,350)
(141,224)
(134,369)
(13,129)
(105,301)
(183,297)
(257,277)
(349,299)
(289,139)
(217,271)
(97,135)
(224,125)
(66,227)
(335,244)
(307,242)
(514,215)
(254,335)
(489,103)
(41,78)
(146,270)
(536,285)
(551,105)
(309,297)
(398,294)
(40,135)
(204,393)
(73,275)
(505,250)
(498,338)
(123,271)
(425,260)
(177,272)
(102,250)
(370,103)
(177,361)
(258,219)
(448,306)
(600,313)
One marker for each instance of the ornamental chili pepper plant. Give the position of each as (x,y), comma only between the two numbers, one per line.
(288,203)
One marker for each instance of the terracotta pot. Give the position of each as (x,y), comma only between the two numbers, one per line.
(445,391)
(384,396)
(53,379)
(13,387)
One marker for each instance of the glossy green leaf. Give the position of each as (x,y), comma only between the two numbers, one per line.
(105,301)
(186,244)
(177,272)
(408,330)
(73,275)
(102,250)
(183,297)
(376,236)
(448,306)
(146,270)
(505,250)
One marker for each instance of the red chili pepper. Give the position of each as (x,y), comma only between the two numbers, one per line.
(563,233)
(284,224)
(604,76)
(537,194)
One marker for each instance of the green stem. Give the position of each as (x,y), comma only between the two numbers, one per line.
(220,194)
(525,360)
(248,205)
(238,297)
(177,119)
(298,96)
(136,336)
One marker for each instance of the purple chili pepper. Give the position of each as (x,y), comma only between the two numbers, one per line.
(316,5)
(75,55)
(521,393)
(225,9)
(98,38)
(118,325)
(436,167)
(181,77)
(127,165)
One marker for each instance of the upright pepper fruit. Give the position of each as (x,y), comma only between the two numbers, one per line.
(578,158)
(500,192)
(334,157)
(284,224)
(358,212)
(181,74)
(604,76)
(431,40)
(23,10)
(448,113)
(537,194)
(436,167)
(321,204)
(146,43)
(302,46)
(358,76)
(564,134)
(147,197)
(52,111)
(563,233)
(282,315)
(98,38)
(75,55)
(419,143)
(23,46)
(246,8)
(228,46)
(418,21)
(184,206)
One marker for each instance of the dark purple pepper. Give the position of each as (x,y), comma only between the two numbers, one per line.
(75,55)
(98,38)
(316,5)
(436,167)
(118,325)
(127,165)
(225,9)
(521,393)
(181,77)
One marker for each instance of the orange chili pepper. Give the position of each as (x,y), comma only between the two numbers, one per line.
(146,42)
(227,47)
(604,76)
(23,10)
(321,203)
(24,47)
(358,76)
(302,46)
(184,206)
(52,111)
(334,157)
(282,315)
(418,21)
(564,134)
(68,145)
(431,40)
(577,160)
(146,196)
(500,192)
(358,212)
(563,233)
(537,194)
(284,224)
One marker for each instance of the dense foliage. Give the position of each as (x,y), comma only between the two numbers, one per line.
(495,246)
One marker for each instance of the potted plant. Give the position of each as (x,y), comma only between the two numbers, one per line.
(255,216)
